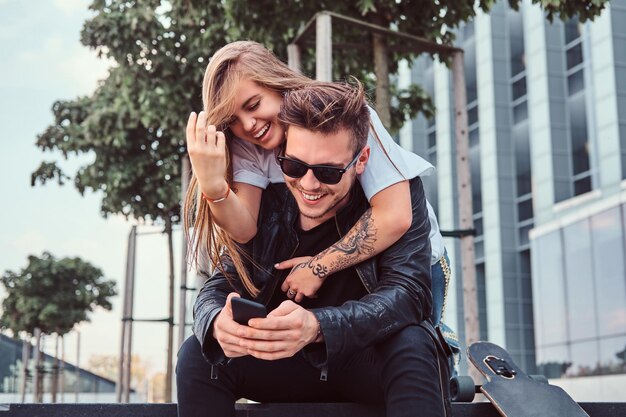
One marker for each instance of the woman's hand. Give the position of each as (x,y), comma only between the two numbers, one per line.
(301,281)
(207,153)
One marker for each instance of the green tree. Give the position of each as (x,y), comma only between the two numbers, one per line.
(134,123)
(372,57)
(53,295)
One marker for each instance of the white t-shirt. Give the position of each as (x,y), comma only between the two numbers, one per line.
(257,166)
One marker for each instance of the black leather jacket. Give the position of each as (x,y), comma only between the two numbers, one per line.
(397,280)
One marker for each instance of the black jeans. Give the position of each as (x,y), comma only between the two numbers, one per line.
(405,372)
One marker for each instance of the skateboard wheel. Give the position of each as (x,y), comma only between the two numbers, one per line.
(539,378)
(462,389)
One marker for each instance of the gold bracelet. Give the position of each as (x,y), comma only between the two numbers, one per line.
(217,200)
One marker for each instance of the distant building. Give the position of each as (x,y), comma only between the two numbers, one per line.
(547,135)
(93,388)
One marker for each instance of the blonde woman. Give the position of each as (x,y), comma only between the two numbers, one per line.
(231,145)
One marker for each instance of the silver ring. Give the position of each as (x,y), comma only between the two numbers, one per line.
(291,293)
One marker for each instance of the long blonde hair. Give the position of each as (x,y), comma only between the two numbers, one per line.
(229,65)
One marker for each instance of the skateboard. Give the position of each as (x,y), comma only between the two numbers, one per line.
(510,390)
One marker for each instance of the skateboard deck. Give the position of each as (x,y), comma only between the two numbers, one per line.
(515,394)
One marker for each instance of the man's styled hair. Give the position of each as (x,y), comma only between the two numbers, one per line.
(327,108)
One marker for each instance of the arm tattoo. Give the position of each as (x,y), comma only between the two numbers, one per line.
(360,239)
(356,246)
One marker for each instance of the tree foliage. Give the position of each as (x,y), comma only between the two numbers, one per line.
(352,48)
(584,10)
(133,125)
(53,294)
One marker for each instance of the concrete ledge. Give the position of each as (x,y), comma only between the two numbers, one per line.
(264,410)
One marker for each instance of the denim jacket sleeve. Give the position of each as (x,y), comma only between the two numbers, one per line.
(401,298)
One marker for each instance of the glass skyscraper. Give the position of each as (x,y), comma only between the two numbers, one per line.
(547,136)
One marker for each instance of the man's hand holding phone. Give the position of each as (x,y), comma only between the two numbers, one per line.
(244,310)
(284,332)
(226,331)
(281,334)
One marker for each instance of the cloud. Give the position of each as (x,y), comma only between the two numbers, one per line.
(69,64)
(83,67)
(46,56)
(75,63)
(51,47)
(617,321)
(70,7)
(31,242)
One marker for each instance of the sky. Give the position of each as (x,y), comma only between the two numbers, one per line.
(42,61)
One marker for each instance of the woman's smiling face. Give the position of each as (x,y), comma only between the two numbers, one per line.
(256,115)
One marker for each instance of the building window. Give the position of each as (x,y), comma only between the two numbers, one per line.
(573,30)
(585,357)
(622,136)
(516,42)
(579,137)
(612,356)
(482,301)
(518,87)
(469,46)
(579,288)
(609,272)
(428,84)
(521,142)
(574,54)
(519,132)
(474,157)
(582,320)
(548,290)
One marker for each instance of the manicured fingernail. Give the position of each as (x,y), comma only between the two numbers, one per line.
(276,265)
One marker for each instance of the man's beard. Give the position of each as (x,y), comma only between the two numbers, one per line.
(294,187)
(335,204)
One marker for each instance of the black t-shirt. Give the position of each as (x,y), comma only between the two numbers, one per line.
(337,288)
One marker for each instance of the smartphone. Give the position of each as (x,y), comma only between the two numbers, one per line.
(244,310)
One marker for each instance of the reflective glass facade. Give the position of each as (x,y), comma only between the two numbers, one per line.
(580,294)
(546,105)
(577,112)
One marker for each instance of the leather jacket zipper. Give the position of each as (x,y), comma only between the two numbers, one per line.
(288,272)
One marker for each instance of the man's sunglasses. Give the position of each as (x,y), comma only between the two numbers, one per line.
(324,173)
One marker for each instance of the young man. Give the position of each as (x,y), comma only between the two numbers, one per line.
(366,337)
